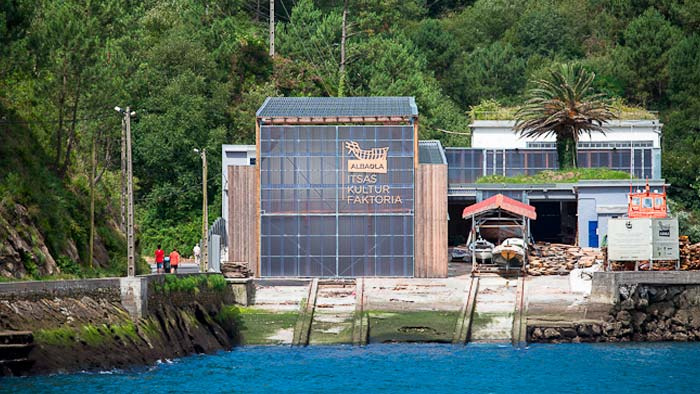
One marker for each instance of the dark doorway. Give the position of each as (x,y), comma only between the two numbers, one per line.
(458,228)
(556,222)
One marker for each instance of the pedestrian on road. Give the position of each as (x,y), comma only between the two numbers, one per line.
(160,257)
(196,251)
(174,261)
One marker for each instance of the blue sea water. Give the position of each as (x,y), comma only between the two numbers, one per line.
(407,368)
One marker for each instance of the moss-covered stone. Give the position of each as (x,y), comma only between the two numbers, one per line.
(262,327)
(420,326)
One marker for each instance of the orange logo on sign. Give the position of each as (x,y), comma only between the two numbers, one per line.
(367,160)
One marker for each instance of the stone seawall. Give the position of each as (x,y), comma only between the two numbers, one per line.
(640,312)
(84,325)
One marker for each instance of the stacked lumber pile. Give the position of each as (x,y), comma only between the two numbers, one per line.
(235,270)
(560,259)
(689,254)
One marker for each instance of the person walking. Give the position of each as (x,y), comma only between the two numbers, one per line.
(174,261)
(160,257)
(196,251)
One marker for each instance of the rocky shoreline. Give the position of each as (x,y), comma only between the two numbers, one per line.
(93,331)
(649,313)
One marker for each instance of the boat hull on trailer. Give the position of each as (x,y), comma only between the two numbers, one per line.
(510,254)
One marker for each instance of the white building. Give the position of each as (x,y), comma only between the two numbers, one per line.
(233,155)
(498,134)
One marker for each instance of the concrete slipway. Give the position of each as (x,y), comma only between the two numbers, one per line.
(486,308)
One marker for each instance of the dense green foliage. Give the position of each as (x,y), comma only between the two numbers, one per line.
(189,284)
(195,71)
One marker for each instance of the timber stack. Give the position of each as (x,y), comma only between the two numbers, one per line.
(235,270)
(689,254)
(559,259)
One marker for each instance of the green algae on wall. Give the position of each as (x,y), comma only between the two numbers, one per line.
(262,327)
(92,335)
(418,326)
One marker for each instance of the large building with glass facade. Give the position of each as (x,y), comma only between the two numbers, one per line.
(341,187)
(337,186)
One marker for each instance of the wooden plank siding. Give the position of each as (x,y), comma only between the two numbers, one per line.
(242,216)
(431,221)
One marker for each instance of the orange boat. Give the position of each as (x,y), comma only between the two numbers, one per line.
(647,204)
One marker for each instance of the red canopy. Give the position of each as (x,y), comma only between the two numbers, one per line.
(499,201)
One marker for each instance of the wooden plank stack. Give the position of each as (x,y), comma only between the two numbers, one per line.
(232,269)
(559,259)
(689,254)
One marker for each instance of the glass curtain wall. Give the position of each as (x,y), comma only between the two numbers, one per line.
(337,200)
(466,165)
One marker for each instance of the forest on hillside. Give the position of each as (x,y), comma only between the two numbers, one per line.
(195,71)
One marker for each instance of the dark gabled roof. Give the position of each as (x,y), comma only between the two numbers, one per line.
(431,152)
(289,107)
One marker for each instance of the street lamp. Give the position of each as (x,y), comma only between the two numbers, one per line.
(204,264)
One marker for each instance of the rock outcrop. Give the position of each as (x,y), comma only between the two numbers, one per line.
(23,250)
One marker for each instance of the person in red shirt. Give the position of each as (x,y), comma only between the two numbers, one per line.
(160,256)
(174,261)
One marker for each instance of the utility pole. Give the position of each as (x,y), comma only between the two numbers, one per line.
(127,165)
(341,84)
(122,200)
(204,264)
(131,259)
(92,202)
(272,28)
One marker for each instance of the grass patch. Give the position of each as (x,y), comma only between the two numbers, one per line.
(492,110)
(189,284)
(558,176)
(421,326)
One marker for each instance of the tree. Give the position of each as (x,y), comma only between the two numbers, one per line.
(643,60)
(492,72)
(564,105)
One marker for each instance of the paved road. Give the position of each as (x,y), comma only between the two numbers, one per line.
(183,268)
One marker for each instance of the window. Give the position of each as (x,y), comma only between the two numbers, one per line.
(659,202)
(647,202)
(635,202)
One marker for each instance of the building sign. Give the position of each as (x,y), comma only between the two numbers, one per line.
(367,160)
(364,184)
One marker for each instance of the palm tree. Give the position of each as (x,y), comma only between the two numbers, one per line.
(565,105)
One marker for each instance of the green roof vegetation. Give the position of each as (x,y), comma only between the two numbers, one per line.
(558,176)
(492,110)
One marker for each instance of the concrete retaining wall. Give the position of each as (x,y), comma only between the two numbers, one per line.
(104,288)
(132,293)
(606,285)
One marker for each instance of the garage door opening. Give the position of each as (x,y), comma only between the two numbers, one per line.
(556,222)
(458,228)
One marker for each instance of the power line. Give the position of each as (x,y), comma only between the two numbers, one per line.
(67,120)
(306,51)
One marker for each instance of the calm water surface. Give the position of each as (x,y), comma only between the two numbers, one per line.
(630,368)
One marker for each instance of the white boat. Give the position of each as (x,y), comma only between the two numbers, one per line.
(482,250)
(459,253)
(510,253)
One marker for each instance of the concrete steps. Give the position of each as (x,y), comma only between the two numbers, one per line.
(496,301)
(334,313)
(14,351)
